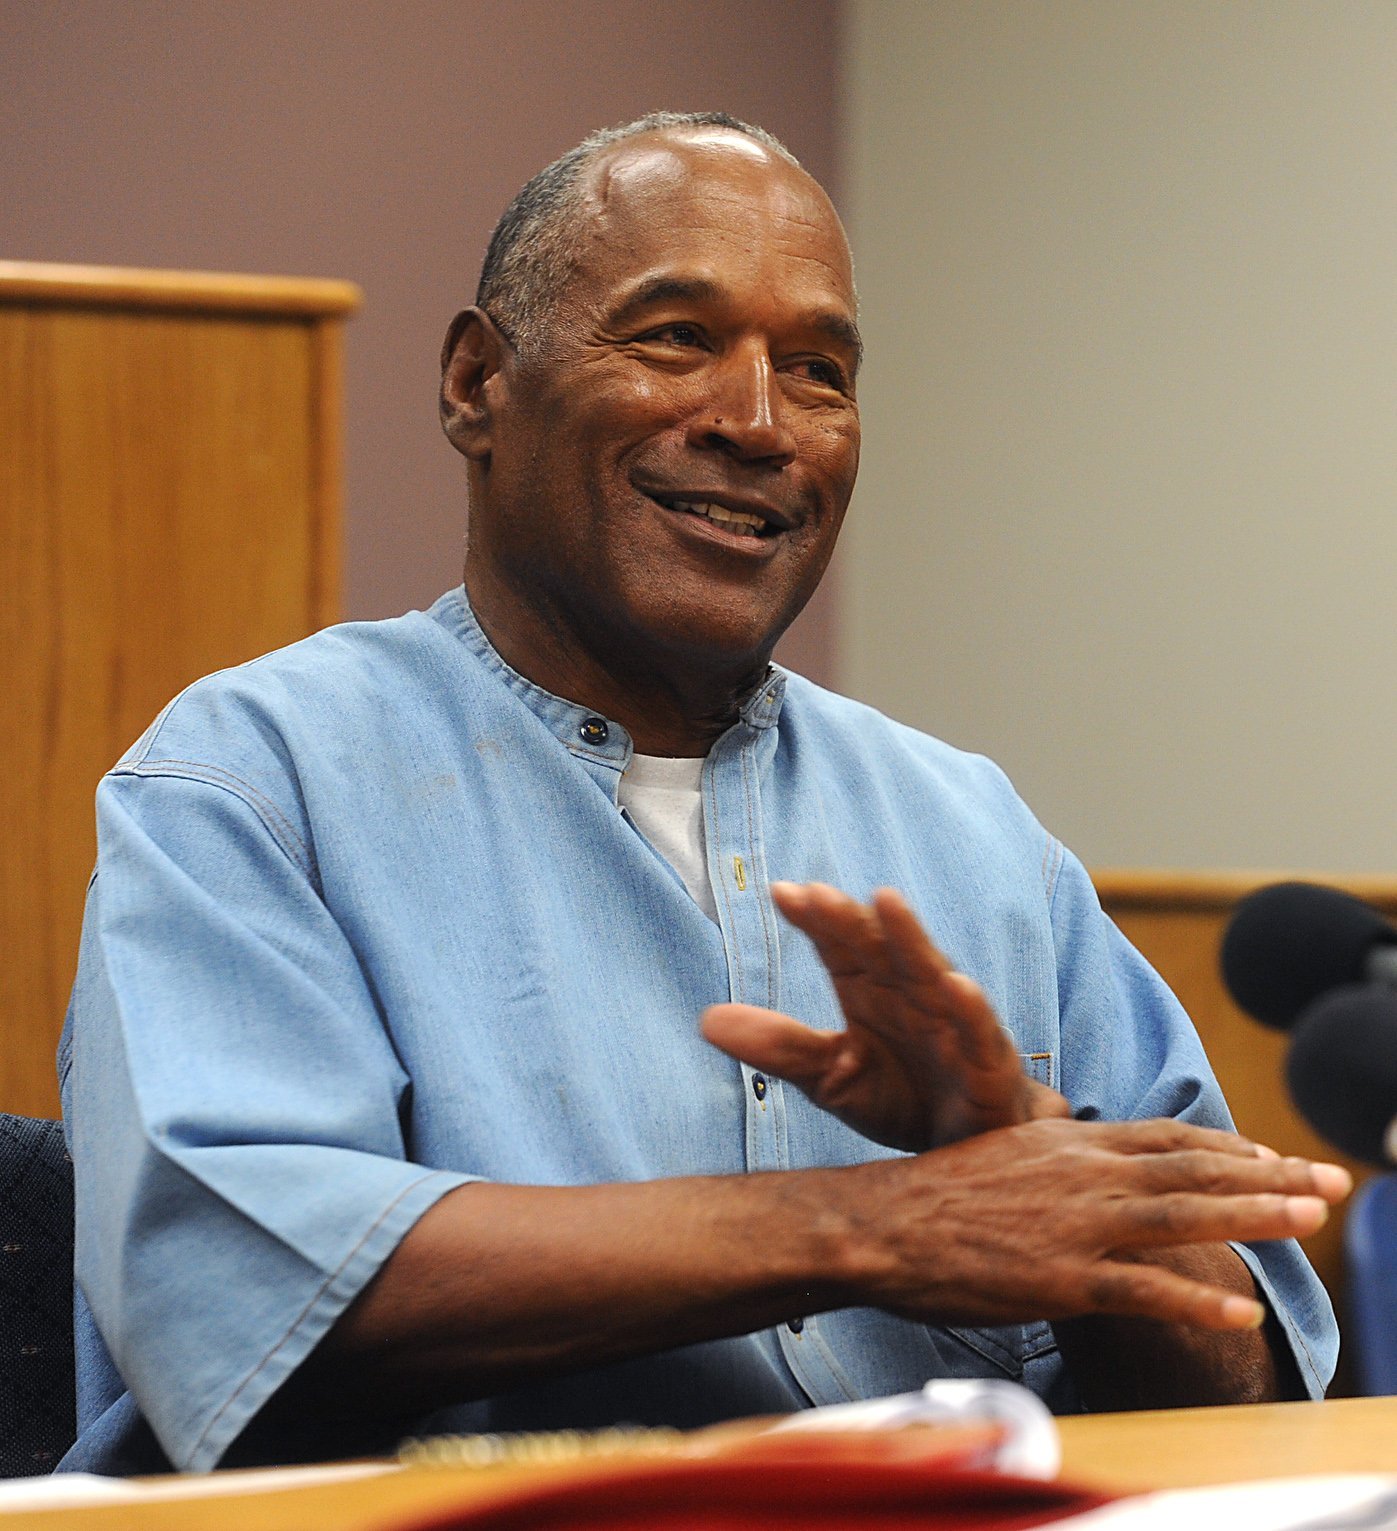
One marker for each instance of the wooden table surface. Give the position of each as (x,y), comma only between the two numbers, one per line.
(1121,1452)
(1184,1448)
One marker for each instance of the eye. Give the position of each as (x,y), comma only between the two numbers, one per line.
(681,336)
(821,370)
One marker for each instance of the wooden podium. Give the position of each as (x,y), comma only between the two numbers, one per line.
(169,505)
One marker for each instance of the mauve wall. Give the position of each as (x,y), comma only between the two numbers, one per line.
(375,142)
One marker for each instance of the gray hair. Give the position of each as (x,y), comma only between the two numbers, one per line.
(534,247)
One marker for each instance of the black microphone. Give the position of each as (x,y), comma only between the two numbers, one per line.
(1342,1070)
(1288,944)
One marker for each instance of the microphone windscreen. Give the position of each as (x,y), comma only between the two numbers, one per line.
(1289,943)
(1342,1068)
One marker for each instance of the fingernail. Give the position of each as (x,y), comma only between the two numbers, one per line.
(1243,1313)
(1307,1213)
(1332,1181)
(1262,1152)
(783,889)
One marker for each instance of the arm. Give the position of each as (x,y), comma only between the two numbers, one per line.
(1173,1366)
(1129,1050)
(923,1060)
(1007,1226)
(244,1112)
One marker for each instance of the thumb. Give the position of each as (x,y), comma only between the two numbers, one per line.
(1041,1101)
(770,1041)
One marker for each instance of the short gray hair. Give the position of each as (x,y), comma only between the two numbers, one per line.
(533,250)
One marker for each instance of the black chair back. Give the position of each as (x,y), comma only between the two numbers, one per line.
(37,1410)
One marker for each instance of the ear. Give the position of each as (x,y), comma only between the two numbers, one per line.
(471,356)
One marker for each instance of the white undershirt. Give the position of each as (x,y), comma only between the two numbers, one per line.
(663,797)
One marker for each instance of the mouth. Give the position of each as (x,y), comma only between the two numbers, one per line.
(738,520)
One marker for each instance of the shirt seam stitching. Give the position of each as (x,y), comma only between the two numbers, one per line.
(273,817)
(1051,868)
(138,752)
(1281,1310)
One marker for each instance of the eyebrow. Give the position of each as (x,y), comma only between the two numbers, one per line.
(698,289)
(667,289)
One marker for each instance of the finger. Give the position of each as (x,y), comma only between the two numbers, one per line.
(1158,1135)
(767,1040)
(905,996)
(892,981)
(981,1040)
(928,979)
(1331,1181)
(1148,1291)
(847,936)
(1208,1171)
(850,942)
(1185,1217)
(1041,1101)
(915,954)
(920,966)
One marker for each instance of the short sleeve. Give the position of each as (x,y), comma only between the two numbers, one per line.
(234,1105)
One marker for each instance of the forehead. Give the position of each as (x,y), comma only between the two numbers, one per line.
(716,204)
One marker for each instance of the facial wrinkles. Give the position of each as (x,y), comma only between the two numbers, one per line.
(730,297)
(756,236)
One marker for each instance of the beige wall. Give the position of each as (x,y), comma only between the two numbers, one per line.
(376,141)
(1126,519)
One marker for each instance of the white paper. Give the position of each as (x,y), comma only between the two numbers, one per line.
(1030,1447)
(1330,1502)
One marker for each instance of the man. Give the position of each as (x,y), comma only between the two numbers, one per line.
(388,1098)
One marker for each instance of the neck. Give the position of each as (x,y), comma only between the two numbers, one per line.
(672,701)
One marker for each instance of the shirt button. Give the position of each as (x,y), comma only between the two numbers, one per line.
(759,1086)
(796,1325)
(594,731)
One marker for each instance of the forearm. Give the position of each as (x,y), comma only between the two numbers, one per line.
(500,1284)
(497,1284)
(1137,1363)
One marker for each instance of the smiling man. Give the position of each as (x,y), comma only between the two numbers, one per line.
(501,1017)
(661,464)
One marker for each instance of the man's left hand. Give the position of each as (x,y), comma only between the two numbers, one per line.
(922,1061)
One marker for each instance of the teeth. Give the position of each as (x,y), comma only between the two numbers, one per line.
(741,521)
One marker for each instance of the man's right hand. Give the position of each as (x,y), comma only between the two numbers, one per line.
(922,1060)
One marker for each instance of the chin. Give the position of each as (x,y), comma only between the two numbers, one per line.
(733,646)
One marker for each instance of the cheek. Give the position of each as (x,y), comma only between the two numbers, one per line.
(834,448)
(619,423)
(644,393)
(622,401)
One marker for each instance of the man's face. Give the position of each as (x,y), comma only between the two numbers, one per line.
(668,471)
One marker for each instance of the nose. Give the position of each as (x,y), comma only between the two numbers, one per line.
(744,413)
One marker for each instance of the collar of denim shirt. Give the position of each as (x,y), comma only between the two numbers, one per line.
(588,734)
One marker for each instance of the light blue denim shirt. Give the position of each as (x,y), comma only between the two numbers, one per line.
(368,924)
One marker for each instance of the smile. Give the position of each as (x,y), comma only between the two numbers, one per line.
(742,523)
